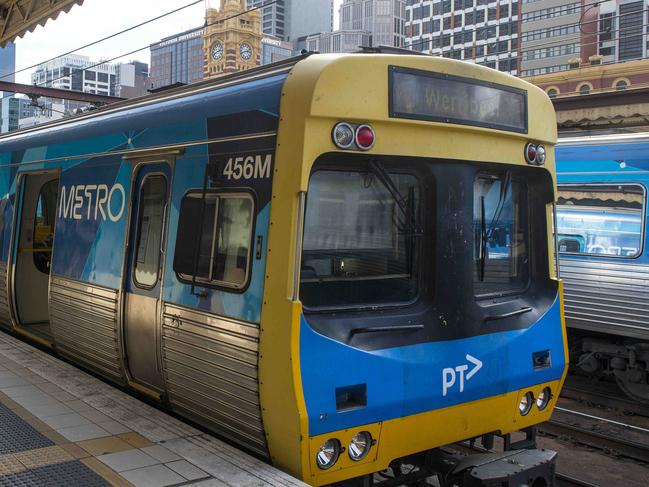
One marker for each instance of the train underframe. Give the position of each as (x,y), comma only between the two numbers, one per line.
(488,460)
(624,359)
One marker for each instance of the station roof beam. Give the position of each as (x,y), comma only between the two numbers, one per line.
(20,16)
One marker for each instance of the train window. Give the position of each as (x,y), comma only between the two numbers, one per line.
(500,224)
(358,247)
(44,226)
(604,220)
(149,233)
(223,257)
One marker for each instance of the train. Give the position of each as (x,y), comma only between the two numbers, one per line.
(604,260)
(320,260)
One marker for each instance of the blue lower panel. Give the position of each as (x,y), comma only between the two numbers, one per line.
(409,380)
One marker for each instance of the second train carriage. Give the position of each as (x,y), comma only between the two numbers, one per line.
(602,224)
(323,261)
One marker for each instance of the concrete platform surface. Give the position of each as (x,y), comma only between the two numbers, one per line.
(60,426)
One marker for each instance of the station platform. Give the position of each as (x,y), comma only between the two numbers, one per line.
(60,426)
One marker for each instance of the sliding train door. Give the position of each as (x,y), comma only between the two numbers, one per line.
(32,253)
(143,280)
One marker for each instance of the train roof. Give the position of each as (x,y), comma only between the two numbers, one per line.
(607,139)
(324,78)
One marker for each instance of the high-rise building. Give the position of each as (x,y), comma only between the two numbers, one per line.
(7,65)
(551,33)
(622,31)
(12,110)
(338,41)
(384,20)
(362,23)
(178,59)
(132,79)
(480,31)
(232,38)
(290,20)
(78,73)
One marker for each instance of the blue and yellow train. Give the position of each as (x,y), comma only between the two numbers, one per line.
(340,263)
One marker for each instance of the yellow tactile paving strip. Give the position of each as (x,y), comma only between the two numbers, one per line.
(66,451)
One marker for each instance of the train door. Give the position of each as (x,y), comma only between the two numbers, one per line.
(143,279)
(32,252)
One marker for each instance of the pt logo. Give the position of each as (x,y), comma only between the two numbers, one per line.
(450,374)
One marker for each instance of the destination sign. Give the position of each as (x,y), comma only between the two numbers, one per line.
(422,95)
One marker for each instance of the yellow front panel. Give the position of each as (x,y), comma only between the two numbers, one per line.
(321,91)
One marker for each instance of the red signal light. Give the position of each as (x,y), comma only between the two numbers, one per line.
(365,137)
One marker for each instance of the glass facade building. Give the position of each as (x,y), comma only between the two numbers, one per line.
(7,65)
(178,59)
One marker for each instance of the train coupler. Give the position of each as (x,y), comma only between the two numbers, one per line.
(506,469)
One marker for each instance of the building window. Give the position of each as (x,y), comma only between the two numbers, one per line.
(552,92)
(584,89)
(621,85)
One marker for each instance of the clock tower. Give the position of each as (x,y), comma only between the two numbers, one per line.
(231,39)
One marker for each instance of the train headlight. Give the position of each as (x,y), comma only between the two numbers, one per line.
(360,446)
(343,135)
(544,398)
(540,155)
(328,454)
(526,403)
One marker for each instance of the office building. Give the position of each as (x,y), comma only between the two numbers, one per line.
(338,41)
(133,79)
(551,35)
(274,50)
(622,31)
(12,110)
(480,31)
(77,73)
(177,59)
(290,20)
(7,65)
(383,20)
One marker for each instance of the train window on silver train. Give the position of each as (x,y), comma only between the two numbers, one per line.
(220,255)
(501,232)
(149,233)
(358,247)
(601,219)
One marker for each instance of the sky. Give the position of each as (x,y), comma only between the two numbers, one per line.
(98,18)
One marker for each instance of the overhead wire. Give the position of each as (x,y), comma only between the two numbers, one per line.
(105,61)
(98,41)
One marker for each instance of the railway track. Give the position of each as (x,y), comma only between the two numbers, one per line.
(563,480)
(612,437)
(602,395)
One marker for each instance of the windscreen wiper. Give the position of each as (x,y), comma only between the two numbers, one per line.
(482,251)
(504,187)
(402,203)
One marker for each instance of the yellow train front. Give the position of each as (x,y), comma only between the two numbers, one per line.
(410,299)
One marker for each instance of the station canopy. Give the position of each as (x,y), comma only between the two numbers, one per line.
(20,16)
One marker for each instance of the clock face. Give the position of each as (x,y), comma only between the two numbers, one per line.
(217,50)
(245,50)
